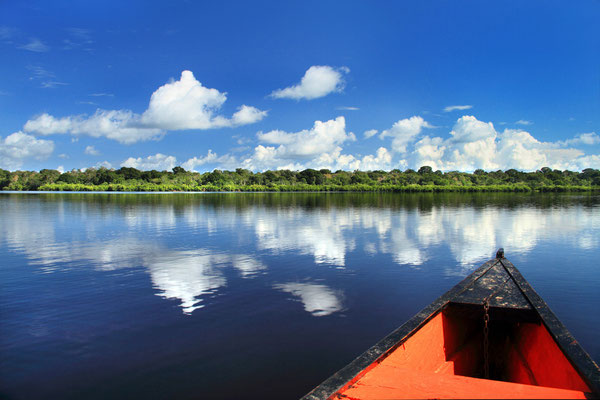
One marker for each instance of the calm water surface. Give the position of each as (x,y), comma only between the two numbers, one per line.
(256,295)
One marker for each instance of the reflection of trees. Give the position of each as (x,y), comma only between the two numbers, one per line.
(179,202)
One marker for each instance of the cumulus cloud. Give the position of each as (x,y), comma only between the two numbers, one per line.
(163,162)
(404,132)
(159,162)
(91,150)
(381,160)
(318,81)
(179,105)
(186,104)
(192,163)
(457,108)
(18,147)
(320,145)
(476,144)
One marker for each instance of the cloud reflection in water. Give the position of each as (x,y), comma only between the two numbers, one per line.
(74,235)
(319,300)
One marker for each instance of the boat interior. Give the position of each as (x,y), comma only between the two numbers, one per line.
(446,357)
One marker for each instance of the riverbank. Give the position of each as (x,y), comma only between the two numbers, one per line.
(310,180)
(149,187)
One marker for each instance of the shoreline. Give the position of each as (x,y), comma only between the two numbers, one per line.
(358,188)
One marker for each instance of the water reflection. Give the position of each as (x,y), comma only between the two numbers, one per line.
(110,232)
(319,300)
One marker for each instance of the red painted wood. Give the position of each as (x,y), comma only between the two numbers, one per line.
(441,358)
(546,361)
(405,383)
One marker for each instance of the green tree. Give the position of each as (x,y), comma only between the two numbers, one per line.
(311,176)
(4,178)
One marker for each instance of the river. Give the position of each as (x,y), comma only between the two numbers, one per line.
(262,295)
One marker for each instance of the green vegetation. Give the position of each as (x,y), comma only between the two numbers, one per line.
(242,180)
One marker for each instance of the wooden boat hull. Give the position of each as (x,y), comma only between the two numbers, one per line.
(448,351)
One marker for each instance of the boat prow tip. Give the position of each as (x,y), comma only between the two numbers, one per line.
(500,253)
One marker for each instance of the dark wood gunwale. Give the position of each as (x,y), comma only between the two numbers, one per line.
(583,363)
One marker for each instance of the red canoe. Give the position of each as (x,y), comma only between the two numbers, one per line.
(491,336)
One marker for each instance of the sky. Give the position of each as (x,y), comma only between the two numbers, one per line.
(456,85)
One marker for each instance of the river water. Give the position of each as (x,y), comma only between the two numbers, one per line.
(261,295)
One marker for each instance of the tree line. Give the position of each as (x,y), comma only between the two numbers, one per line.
(178,179)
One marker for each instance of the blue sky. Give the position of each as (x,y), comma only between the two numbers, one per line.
(456,85)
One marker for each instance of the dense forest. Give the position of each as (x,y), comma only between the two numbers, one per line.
(425,179)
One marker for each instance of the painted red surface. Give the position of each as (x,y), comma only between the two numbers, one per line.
(443,359)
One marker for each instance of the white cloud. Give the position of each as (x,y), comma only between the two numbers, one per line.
(247,115)
(159,162)
(120,125)
(592,161)
(348,108)
(192,163)
(39,73)
(589,139)
(470,129)
(186,104)
(318,81)
(381,160)
(404,132)
(35,45)
(60,169)
(319,145)
(455,108)
(103,164)
(18,147)
(476,144)
(91,150)
(180,105)
(370,133)
(52,84)
(163,162)
(523,122)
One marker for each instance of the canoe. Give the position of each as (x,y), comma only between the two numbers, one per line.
(491,336)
